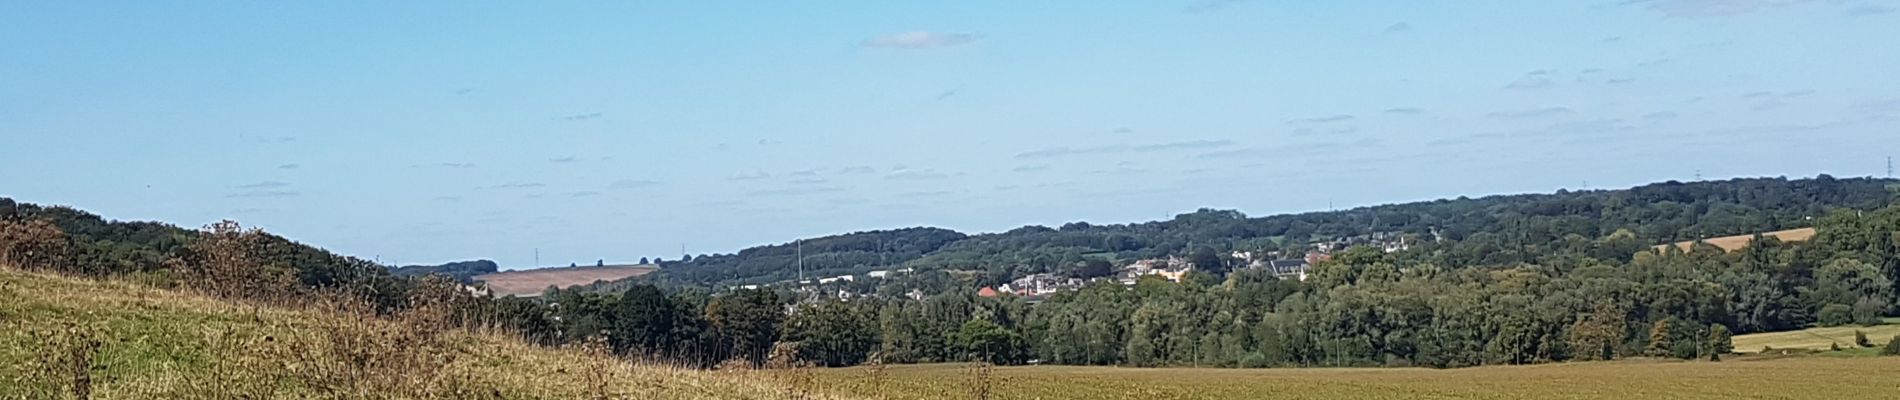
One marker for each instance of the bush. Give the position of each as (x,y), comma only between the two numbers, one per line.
(1867,311)
(1836,315)
(1860,339)
(1893,347)
(1257,360)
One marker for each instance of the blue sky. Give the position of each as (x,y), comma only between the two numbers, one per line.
(424,132)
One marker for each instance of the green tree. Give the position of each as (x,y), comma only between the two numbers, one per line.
(1720,342)
(987,341)
(1868,310)
(746,324)
(1660,340)
(833,333)
(1595,335)
(1836,315)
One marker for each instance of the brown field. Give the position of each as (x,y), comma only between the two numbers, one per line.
(1760,378)
(1737,242)
(530,283)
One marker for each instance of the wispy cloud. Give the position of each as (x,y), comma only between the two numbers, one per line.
(1122,148)
(585,193)
(922,194)
(916,175)
(263,185)
(1398,27)
(581,117)
(1031,168)
(1537,79)
(565,160)
(750,176)
(1202,6)
(275,139)
(1654,62)
(456,165)
(1405,110)
(1869,10)
(516,185)
(797,191)
(625,184)
(857,169)
(1530,113)
(290,166)
(1711,8)
(263,194)
(921,40)
(449,199)
(1660,115)
(1322,120)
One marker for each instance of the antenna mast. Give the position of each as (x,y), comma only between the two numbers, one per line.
(801,260)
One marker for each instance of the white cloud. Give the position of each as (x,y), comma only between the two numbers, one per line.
(921,40)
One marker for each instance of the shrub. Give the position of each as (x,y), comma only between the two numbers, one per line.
(1836,315)
(1867,311)
(1254,360)
(1893,347)
(1860,339)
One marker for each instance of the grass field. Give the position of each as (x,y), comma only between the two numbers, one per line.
(157,344)
(1817,338)
(1784,378)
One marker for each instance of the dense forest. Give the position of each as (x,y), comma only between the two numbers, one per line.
(462,271)
(1501,280)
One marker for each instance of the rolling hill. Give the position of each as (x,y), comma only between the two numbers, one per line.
(136,342)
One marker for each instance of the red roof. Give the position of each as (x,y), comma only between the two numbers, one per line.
(986,291)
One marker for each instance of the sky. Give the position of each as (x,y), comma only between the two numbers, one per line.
(426,132)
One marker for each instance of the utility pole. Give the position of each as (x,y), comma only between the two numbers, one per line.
(537,258)
(801,260)
(1889,167)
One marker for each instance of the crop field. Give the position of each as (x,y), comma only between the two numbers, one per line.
(1784,378)
(528,283)
(1738,242)
(1817,338)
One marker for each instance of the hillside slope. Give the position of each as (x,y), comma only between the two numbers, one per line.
(135,342)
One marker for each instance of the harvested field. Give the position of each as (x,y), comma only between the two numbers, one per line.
(1783,378)
(529,283)
(1738,242)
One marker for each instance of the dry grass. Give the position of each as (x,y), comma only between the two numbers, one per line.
(1738,242)
(1787,378)
(531,282)
(1817,338)
(153,344)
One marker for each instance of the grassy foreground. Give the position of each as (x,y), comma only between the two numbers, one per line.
(1817,338)
(1785,378)
(143,343)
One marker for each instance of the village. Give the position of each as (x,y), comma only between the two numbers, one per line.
(1174,268)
